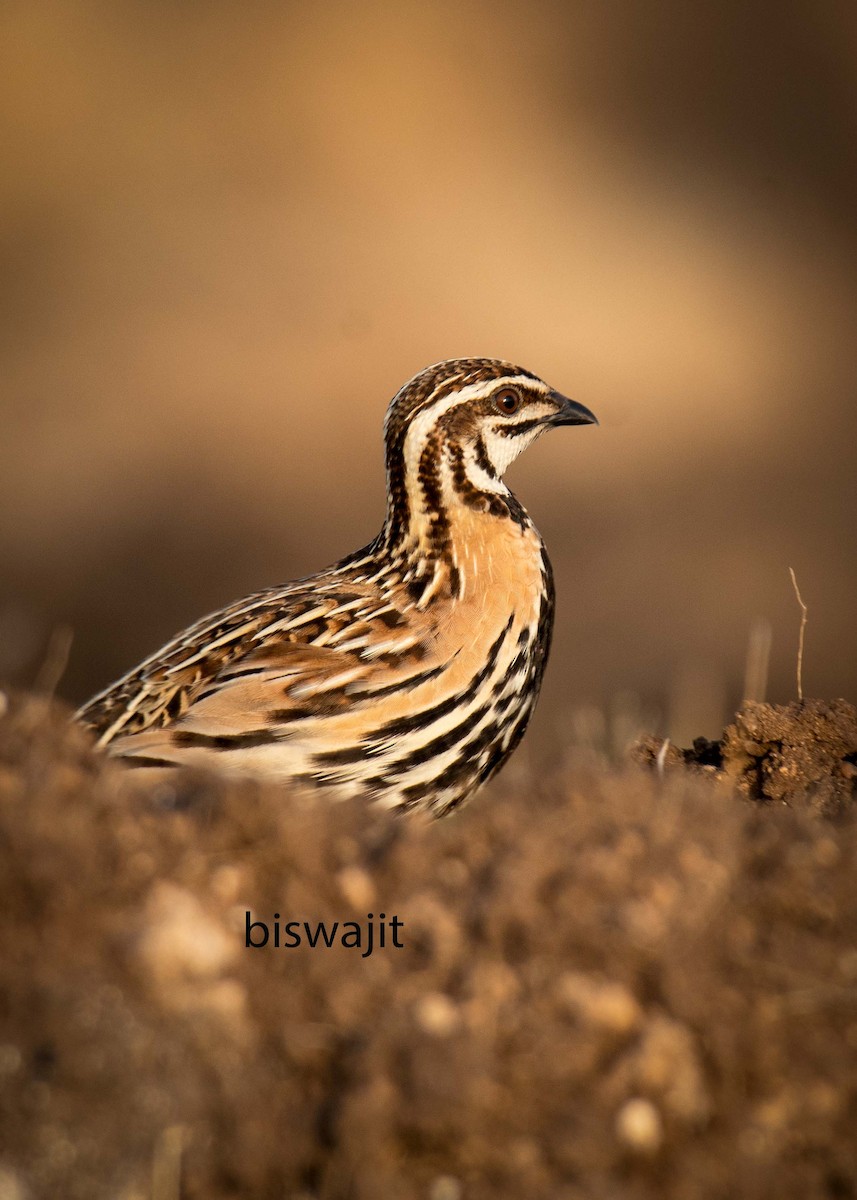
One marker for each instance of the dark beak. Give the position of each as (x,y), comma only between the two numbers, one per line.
(569,412)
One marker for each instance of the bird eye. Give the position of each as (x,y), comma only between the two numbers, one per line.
(508,401)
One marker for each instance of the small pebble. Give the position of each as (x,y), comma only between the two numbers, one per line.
(357,887)
(445,1187)
(437,1015)
(639,1126)
(11,1187)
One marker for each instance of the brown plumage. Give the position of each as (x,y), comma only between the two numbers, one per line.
(408,671)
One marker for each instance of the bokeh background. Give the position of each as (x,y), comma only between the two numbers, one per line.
(229,232)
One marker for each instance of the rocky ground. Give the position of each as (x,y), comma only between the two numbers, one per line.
(625,985)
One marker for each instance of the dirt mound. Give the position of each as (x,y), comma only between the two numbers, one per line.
(801,754)
(608,985)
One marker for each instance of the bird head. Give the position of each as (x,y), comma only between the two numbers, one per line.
(457,426)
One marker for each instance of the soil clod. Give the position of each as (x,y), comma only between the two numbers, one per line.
(802,754)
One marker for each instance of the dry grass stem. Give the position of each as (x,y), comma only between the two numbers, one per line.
(758,658)
(55,661)
(662,756)
(803,612)
(166,1164)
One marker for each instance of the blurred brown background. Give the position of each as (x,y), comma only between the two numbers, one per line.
(230,232)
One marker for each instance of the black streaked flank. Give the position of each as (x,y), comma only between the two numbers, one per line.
(141,760)
(438,745)
(228,741)
(402,685)
(426,716)
(373,743)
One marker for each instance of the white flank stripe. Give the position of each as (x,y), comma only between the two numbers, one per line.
(286,623)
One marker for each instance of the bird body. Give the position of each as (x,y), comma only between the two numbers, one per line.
(408,671)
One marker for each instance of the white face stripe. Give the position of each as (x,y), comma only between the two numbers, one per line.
(502,450)
(424,420)
(477,474)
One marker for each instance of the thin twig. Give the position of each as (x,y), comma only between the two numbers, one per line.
(803,612)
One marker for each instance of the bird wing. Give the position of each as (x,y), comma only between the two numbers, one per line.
(275,657)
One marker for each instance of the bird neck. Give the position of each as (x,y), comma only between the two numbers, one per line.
(438,507)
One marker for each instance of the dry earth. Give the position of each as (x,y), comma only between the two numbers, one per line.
(803,754)
(622,985)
